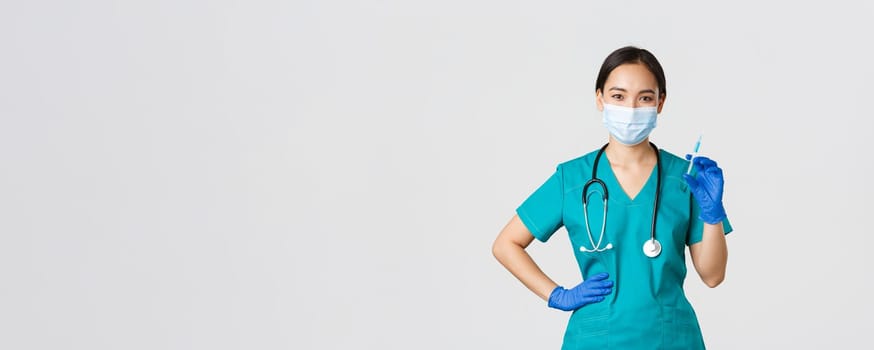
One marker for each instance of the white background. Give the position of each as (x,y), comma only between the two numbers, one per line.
(332,174)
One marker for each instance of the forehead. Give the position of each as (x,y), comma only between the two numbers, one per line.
(631,76)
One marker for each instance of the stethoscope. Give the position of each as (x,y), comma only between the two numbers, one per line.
(651,247)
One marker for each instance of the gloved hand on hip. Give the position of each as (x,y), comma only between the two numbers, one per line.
(592,290)
(707,186)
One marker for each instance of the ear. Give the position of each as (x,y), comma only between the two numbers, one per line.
(661,103)
(599,100)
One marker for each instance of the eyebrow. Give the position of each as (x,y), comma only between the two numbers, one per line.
(623,90)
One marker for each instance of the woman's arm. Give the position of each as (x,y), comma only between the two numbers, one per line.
(710,255)
(509,249)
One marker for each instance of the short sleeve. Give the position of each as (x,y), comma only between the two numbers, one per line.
(541,211)
(696,225)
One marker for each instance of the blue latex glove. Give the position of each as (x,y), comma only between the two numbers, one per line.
(707,186)
(592,290)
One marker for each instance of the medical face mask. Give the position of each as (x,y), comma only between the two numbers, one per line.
(629,126)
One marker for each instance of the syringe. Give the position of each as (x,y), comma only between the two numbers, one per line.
(694,154)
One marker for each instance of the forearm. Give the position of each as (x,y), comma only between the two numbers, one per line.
(520,264)
(711,255)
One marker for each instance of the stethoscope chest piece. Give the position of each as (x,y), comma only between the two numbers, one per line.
(652,248)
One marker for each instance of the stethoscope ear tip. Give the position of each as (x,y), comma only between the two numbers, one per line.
(597,250)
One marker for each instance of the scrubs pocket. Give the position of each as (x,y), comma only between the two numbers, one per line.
(586,331)
(687,334)
(592,263)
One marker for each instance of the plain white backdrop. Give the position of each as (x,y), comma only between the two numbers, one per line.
(332,174)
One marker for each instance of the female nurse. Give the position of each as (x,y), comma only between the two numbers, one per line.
(629,238)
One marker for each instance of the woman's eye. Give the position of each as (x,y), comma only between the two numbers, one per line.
(646,99)
(617,97)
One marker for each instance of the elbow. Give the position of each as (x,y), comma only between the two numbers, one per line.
(714,281)
(497,250)
(502,249)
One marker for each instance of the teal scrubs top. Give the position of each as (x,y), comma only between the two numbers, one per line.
(648,308)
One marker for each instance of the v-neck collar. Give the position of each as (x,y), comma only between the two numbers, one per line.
(624,197)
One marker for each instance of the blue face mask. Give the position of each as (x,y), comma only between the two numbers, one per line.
(629,126)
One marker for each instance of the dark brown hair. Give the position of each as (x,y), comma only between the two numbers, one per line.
(631,54)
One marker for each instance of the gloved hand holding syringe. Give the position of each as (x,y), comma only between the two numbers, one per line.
(707,185)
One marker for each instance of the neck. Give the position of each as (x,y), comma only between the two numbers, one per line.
(620,154)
